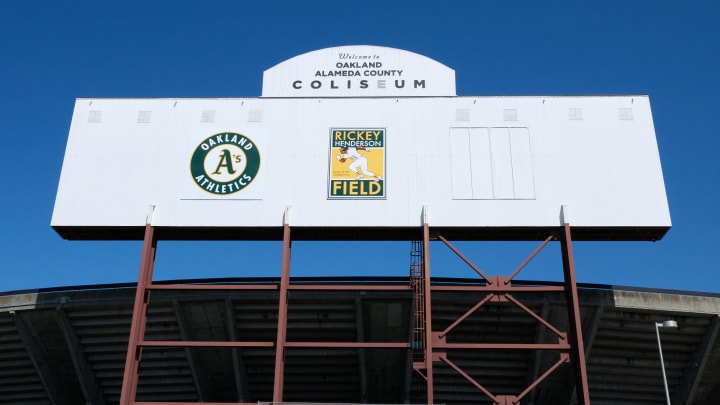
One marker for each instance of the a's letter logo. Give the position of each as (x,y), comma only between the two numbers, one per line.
(225,163)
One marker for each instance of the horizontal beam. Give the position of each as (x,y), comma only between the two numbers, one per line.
(503,346)
(187,403)
(224,287)
(494,288)
(274,287)
(182,343)
(351,287)
(326,345)
(359,345)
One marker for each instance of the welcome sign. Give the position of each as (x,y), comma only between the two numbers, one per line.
(359,71)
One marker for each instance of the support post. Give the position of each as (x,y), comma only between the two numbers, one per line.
(428,309)
(282,315)
(573,308)
(139,317)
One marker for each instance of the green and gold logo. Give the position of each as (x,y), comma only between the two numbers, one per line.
(225,163)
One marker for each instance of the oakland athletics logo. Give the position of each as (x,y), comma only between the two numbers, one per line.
(225,163)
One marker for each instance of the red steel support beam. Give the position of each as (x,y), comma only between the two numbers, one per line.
(529,258)
(349,287)
(466,315)
(500,288)
(491,288)
(441,344)
(563,359)
(139,318)
(468,378)
(199,343)
(282,316)
(350,345)
(536,316)
(428,312)
(274,287)
(189,403)
(466,260)
(214,287)
(573,307)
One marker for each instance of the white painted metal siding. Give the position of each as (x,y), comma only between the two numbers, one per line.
(487,172)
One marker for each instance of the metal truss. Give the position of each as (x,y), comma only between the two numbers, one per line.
(433,344)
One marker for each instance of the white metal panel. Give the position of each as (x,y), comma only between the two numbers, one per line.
(606,169)
(523,180)
(502,170)
(460,165)
(481,161)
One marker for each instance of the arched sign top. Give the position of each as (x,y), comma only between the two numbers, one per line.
(359,71)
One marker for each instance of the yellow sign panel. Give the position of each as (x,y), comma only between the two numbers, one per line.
(357,163)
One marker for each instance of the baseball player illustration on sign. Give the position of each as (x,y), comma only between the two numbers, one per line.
(353,152)
(358,161)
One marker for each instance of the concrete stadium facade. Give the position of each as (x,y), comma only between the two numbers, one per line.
(68,345)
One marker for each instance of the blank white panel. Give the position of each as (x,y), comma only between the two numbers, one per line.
(481,164)
(460,164)
(501,163)
(523,178)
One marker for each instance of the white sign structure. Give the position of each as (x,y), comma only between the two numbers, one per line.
(359,71)
(362,162)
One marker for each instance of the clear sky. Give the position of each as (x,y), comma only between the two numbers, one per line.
(52,52)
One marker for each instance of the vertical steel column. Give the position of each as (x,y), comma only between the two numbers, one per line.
(575,325)
(282,317)
(428,312)
(139,317)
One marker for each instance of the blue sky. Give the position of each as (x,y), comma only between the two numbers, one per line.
(52,52)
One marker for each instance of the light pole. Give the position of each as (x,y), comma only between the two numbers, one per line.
(658,325)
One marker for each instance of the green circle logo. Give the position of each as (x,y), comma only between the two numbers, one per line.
(225,163)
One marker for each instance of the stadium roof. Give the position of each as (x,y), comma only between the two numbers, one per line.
(68,345)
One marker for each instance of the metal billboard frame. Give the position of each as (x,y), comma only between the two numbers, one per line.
(429,351)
